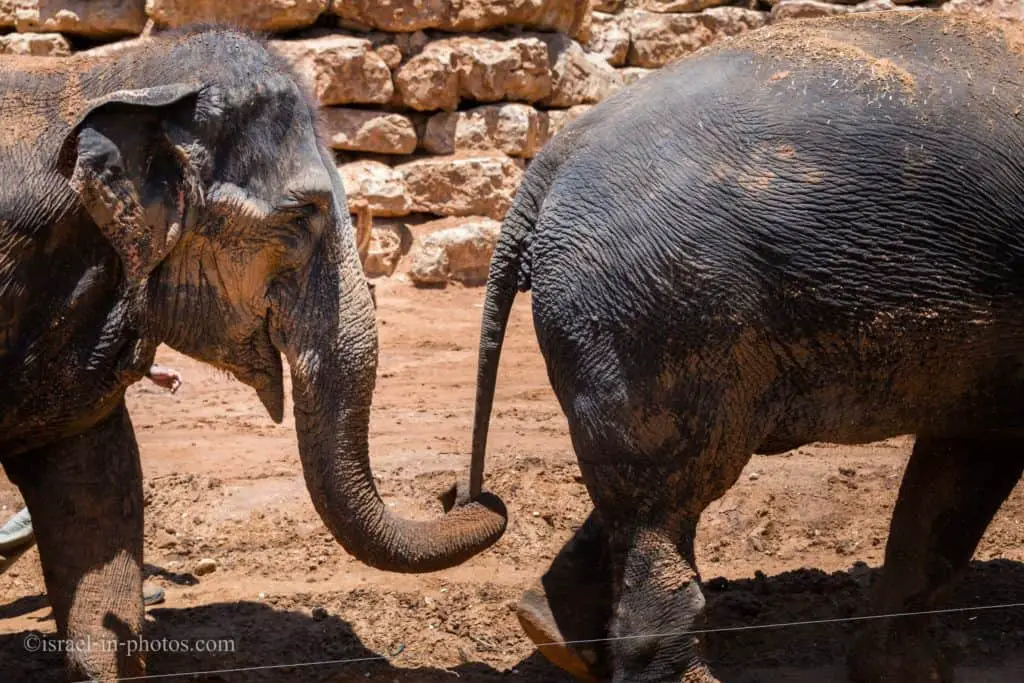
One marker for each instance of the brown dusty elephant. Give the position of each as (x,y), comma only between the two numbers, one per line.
(812,232)
(177,192)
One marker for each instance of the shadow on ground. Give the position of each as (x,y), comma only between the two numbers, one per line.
(262,636)
(988,640)
(986,645)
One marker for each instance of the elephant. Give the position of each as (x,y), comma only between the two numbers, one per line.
(812,232)
(178,192)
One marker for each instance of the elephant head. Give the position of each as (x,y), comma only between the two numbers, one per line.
(230,223)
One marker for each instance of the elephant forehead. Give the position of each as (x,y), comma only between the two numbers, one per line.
(311,181)
(277,165)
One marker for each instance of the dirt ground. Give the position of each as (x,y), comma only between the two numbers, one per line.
(797,538)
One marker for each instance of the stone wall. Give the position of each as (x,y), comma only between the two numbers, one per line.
(435,107)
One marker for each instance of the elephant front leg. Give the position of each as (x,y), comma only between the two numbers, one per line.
(85,498)
(951,490)
(659,604)
(566,613)
(578,624)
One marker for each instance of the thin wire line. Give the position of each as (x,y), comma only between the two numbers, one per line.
(725,629)
(756,627)
(328,662)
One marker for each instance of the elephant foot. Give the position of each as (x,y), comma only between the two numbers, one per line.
(584,661)
(567,613)
(700,674)
(887,655)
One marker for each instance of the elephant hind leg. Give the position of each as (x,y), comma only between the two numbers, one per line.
(85,497)
(951,490)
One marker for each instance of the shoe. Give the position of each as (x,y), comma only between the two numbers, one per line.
(16,534)
(152,594)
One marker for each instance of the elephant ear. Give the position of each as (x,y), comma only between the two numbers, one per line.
(125,160)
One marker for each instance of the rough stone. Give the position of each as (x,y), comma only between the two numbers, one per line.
(259,15)
(390,240)
(518,130)
(566,16)
(458,251)
(632,74)
(205,566)
(341,69)
(499,70)
(608,6)
(476,68)
(410,44)
(803,9)
(1004,9)
(560,118)
(375,185)
(113,48)
(359,130)
(659,39)
(610,38)
(462,185)
(89,18)
(800,9)
(676,6)
(576,77)
(429,81)
(7,19)
(391,54)
(35,44)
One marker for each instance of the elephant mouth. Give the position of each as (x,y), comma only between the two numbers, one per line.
(262,370)
(271,393)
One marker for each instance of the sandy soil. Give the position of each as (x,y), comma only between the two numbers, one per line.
(789,541)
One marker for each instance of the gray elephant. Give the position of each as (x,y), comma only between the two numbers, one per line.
(813,232)
(177,192)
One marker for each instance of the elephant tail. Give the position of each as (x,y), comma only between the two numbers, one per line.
(509,273)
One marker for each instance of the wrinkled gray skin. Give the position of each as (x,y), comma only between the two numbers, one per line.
(780,240)
(178,193)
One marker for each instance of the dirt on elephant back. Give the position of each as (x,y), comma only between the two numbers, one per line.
(797,539)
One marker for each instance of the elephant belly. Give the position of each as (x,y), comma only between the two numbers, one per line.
(951,398)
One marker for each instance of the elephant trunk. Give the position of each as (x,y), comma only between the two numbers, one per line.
(333,358)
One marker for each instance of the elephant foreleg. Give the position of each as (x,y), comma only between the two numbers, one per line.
(657,601)
(658,604)
(85,497)
(566,614)
(951,490)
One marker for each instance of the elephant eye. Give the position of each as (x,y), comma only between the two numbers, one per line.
(305,211)
(298,209)
(312,200)
(305,220)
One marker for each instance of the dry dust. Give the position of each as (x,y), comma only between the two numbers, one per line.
(824,40)
(223,482)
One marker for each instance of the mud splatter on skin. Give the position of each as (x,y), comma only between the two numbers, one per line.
(755,182)
(786,151)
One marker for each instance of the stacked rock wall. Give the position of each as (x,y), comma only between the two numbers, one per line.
(435,107)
